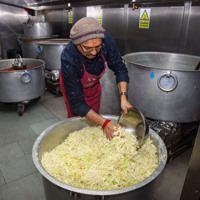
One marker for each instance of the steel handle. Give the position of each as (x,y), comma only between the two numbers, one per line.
(167,82)
(39,48)
(26,77)
(18,59)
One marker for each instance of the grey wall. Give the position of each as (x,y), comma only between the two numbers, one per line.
(172,28)
(11,27)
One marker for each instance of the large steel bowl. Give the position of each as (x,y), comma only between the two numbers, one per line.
(21,85)
(164,86)
(55,189)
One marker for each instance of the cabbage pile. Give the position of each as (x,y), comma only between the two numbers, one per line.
(87,159)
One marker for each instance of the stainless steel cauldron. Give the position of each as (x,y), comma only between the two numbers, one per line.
(50,51)
(21,85)
(38,30)
(29,46)
(164,86)
(55,189)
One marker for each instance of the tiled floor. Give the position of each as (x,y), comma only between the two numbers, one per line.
(19,179)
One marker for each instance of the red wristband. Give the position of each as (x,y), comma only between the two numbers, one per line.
(105,123)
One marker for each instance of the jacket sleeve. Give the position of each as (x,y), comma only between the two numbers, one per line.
(72,83)
(114,59)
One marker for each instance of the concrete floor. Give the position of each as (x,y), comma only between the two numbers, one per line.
(19,179)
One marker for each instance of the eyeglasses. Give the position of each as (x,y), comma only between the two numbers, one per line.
(90,49)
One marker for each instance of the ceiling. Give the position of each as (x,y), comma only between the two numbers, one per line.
(56,4)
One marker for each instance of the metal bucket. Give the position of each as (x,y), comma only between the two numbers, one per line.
(55,189)
(21,85)
(50,51)
(164,86)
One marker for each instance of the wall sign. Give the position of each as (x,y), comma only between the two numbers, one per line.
(144,18)
(95,12)
(70,17)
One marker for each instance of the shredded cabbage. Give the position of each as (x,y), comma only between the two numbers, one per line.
(86,159)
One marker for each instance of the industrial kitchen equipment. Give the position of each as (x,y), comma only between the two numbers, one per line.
(21,81)
(165,88)
(55,134)
(29,46)
(37,30)
(50,51)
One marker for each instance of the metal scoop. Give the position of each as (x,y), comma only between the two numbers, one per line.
(135,123)
(18,63)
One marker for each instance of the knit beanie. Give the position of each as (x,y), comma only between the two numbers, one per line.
(85,29)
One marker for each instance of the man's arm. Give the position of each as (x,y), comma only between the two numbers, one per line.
(123,89)
(98,119)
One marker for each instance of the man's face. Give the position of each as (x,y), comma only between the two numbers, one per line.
(90,48)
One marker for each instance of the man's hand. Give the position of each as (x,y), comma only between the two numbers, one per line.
(125,104)
(109,130)
(123,87)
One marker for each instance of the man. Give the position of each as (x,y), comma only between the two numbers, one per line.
(83,64)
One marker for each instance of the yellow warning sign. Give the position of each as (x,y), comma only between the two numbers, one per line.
(70,17)
(99,17)
(95,12)
(144,16)
(144,24)
(144,21)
